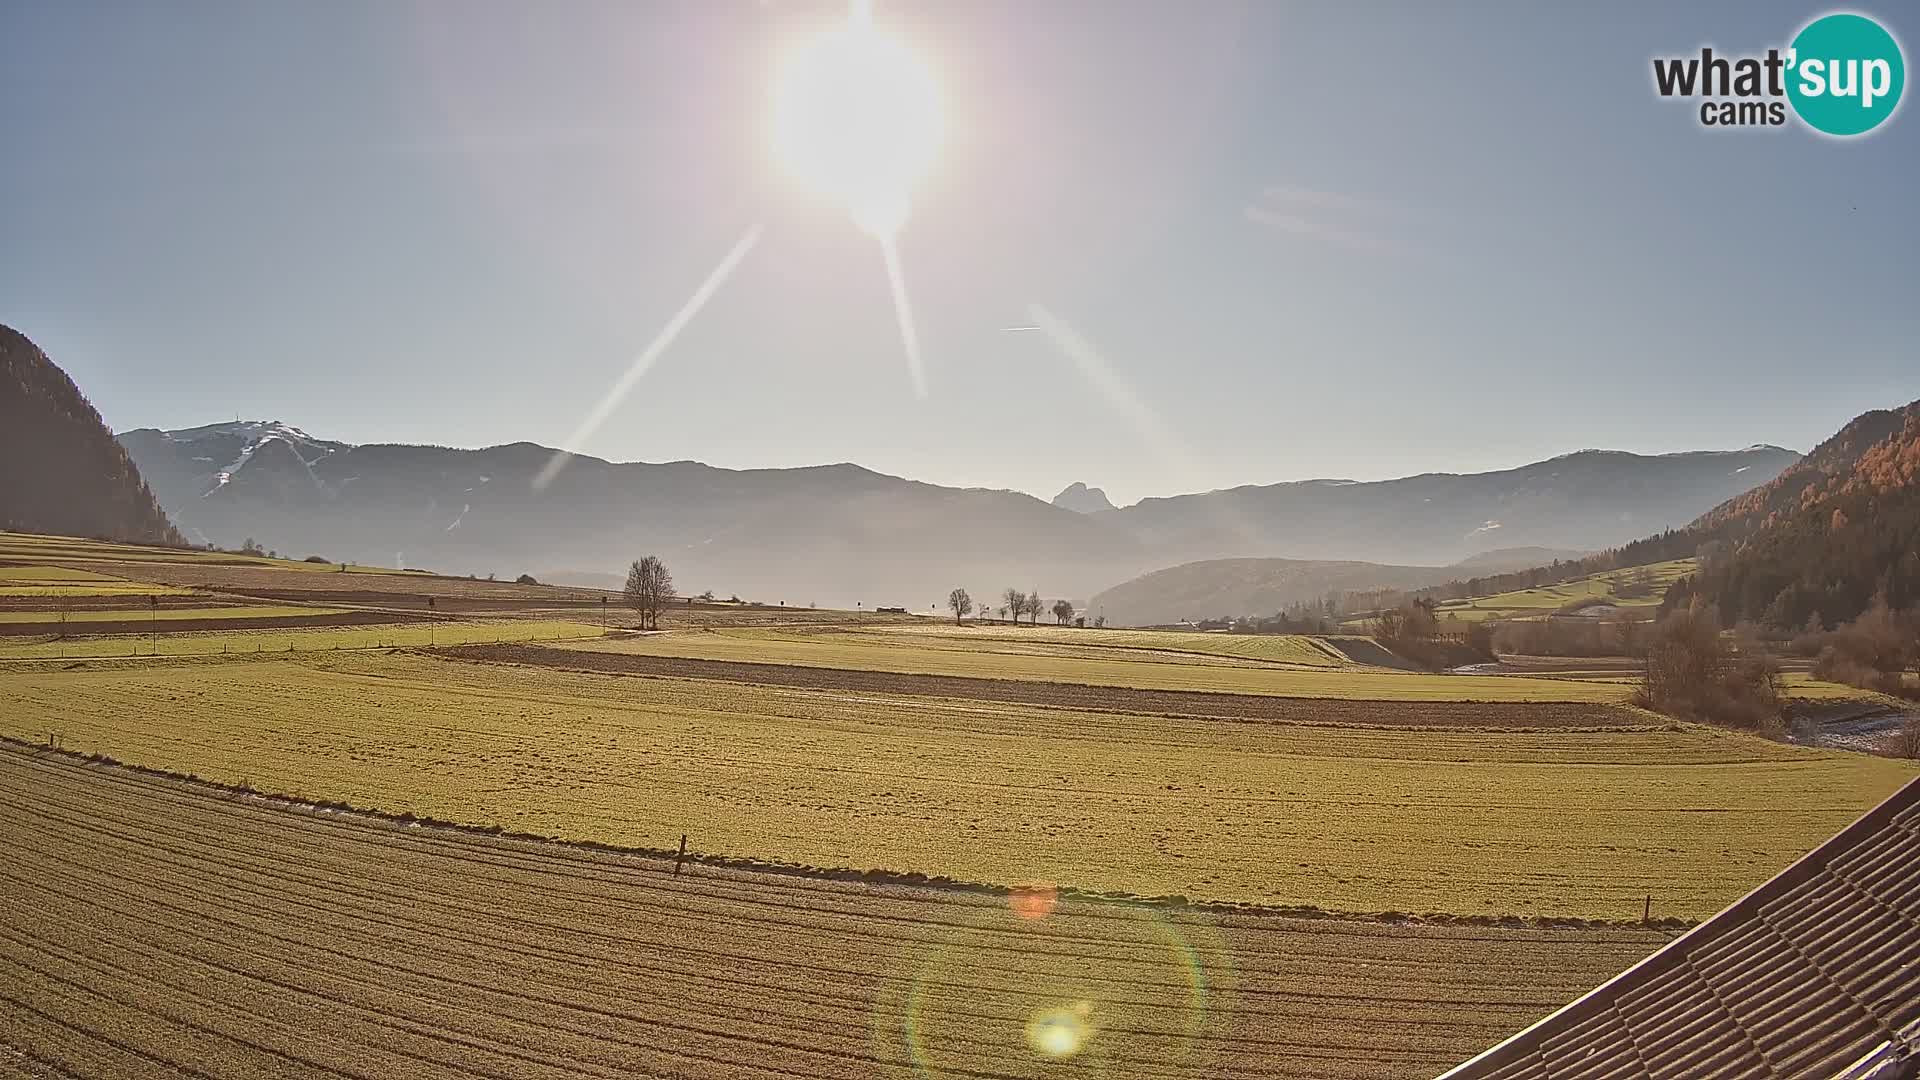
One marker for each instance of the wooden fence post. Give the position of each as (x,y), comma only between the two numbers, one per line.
(678,859)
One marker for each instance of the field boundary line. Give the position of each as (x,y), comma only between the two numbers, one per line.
(533,857)
(870,876)
(1016,691)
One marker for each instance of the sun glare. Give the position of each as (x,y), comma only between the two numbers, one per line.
(857,118)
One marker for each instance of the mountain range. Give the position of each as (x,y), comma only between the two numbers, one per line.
(841,534)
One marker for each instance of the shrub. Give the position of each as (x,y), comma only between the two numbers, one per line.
(1691,672)
(1872,652)
(318,559)
(523,579)
(1904,742)
(1480,639)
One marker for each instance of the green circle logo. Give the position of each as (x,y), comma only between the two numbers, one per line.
(1845,74)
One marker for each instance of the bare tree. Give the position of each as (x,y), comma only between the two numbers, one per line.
(649,586)
(1003,613)
(1905,742)
(1062,612)
(1035,606)
(1016,602)
(960,604)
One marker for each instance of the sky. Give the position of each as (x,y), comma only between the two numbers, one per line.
(1271,241)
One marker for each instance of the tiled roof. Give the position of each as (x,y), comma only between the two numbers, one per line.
(1811,974)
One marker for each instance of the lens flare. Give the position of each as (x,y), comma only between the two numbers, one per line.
(624,384)
(1063,1032)
(1033,901)
(1114,989)
(903,311)
(857,119)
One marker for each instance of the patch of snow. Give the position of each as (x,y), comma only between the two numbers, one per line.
(1741,469)
(225,475)
(1488,527)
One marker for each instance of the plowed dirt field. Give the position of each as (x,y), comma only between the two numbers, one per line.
(157,928)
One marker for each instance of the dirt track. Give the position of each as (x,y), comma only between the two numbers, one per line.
(1072,695)
(154,927)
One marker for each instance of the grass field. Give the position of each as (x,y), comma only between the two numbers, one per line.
(41,580)
(154,925)
(118,566)
(1474,822)
(1051,657)
(159,924)
(1549,598)
(65,550)
(1291,649)
(168,614)
(218,642)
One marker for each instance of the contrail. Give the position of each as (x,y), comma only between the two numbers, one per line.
(598,415)
(901,308)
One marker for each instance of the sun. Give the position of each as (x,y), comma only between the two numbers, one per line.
(857,118)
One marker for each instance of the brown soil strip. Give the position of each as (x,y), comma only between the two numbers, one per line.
(1450,714)
(364,597)
(163,627)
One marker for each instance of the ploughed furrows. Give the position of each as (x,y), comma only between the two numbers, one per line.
(153,927)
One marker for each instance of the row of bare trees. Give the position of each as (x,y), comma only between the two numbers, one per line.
(1016,604)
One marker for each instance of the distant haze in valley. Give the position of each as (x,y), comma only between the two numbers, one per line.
(840,535)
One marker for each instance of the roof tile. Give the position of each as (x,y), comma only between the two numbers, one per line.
(1801,977)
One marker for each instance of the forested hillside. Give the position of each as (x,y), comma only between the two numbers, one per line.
(1817,542)
(64,472)
(1824,537)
